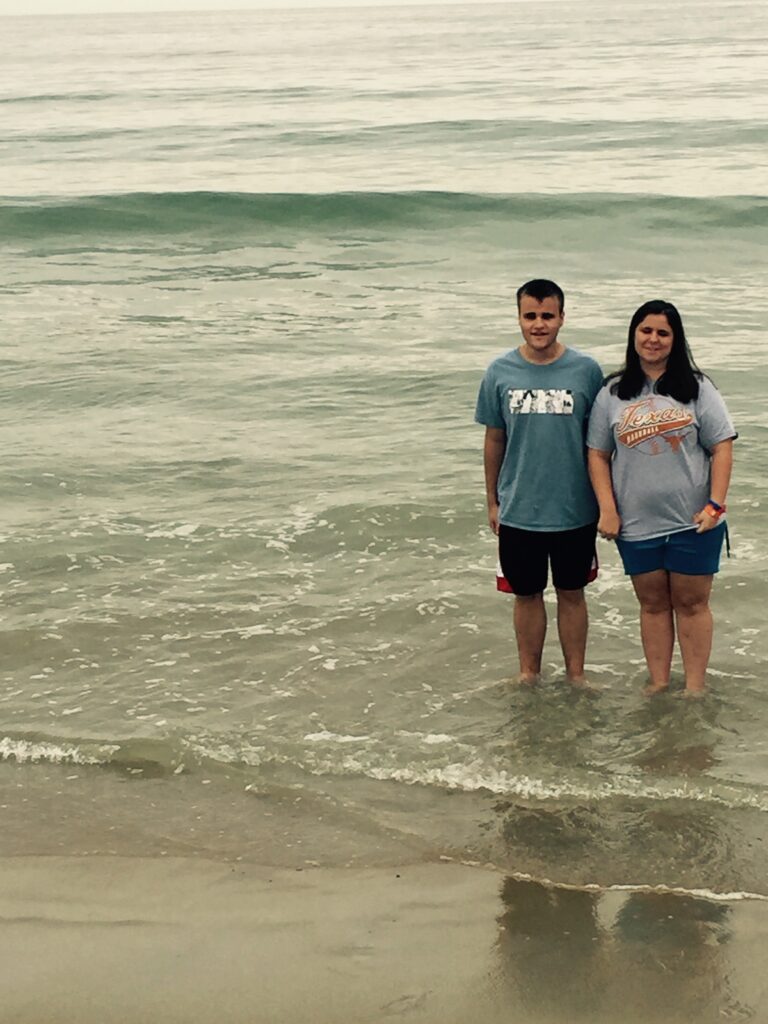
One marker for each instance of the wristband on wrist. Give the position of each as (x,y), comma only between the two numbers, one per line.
(713,509)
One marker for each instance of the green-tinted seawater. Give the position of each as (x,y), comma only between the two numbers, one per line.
(253,267)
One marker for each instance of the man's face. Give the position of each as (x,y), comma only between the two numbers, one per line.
(540,322)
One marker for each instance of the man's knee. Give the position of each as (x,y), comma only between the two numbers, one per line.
(570,598)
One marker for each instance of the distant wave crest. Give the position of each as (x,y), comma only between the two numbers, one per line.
(223,215)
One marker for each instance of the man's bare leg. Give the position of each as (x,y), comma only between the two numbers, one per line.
(530,630)
(657,628)
(572,623)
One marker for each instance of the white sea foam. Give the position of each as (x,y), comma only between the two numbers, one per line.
(427,737)
(299,520)
(333,737)
(475,776)
(26,751)
(470,776)
(183,530)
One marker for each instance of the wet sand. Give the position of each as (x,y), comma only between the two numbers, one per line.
(115,940)
(128,940)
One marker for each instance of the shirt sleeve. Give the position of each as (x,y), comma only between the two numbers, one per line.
(715,424)
(487,410)
(600,431)
(595,382)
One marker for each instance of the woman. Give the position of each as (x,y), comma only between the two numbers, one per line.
(660,453)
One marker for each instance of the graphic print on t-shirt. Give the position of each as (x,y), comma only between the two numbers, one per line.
(555,401)
(653,425)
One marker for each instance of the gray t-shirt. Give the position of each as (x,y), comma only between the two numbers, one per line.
(661,455)
(543,483)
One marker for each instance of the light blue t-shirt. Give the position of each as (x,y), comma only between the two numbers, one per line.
(543,483)
(661,463)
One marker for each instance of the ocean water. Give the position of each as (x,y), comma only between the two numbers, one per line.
(253,266)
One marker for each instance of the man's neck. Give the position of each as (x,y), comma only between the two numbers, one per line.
(549,355)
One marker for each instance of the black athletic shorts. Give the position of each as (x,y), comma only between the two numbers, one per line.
(525,556)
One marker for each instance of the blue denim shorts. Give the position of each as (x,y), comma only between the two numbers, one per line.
(687,552)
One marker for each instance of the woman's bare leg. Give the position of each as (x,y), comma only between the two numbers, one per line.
(690,600)
(657,628)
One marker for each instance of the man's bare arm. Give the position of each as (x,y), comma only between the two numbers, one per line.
(493,456)
(599,463)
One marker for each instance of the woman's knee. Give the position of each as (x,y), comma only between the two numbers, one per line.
(660,605)
(653,593)
(690,594)
(690,606)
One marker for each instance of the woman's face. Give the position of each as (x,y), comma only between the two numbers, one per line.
(653,341)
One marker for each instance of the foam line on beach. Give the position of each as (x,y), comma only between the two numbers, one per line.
(470,778)
(466,777)
(712,895)
(665,890)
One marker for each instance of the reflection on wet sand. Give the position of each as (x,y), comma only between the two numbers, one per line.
(617,916)
(567,954)
(658,841)
(666,820)
(674,947)
(548,947)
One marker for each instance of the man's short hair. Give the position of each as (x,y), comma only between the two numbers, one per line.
(541,289)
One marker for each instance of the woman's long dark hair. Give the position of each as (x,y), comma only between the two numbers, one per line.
(681,378)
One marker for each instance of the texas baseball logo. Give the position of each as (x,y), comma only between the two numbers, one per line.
(653,425)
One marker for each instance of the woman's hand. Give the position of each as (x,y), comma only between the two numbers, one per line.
(609,525)
(705,521)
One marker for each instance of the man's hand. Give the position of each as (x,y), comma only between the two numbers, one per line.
(609,525)
(493,516)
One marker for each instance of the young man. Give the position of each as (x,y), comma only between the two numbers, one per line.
(534,403)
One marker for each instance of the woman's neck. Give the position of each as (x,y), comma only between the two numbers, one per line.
(653,372)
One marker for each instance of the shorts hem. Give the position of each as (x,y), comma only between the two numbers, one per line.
(658,536)
(678,572)
(684,552)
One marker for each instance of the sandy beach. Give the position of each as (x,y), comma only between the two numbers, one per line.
(119,940)
(126,940)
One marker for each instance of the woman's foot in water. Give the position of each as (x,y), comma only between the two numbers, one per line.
(653,689)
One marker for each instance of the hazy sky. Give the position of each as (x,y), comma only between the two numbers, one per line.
(22,7)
